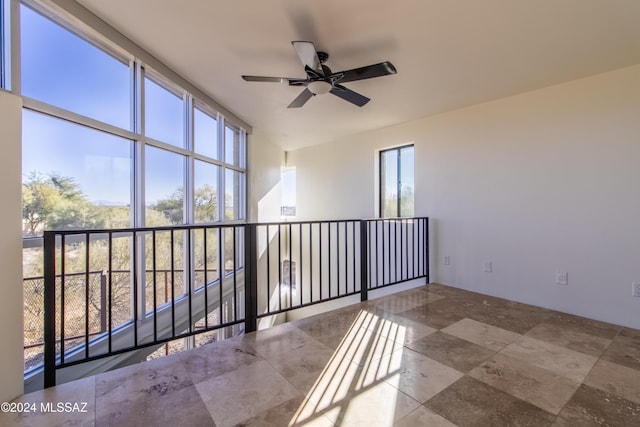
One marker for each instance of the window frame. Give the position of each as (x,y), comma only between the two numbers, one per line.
(381,179)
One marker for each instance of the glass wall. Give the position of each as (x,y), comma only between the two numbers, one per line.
(110,143)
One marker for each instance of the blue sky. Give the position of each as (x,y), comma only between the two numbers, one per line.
(61,69)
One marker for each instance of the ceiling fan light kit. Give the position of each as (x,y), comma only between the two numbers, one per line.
(319,87)
(321,80)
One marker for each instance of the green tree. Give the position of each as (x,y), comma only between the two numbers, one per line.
(205,205)
(56,202)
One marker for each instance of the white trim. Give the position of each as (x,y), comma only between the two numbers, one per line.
(61,113)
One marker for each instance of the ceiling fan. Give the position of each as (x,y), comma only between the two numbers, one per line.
(320,79)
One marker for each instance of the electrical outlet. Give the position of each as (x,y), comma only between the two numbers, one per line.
(562,278)
(447,260)
(635,289)
(487,267)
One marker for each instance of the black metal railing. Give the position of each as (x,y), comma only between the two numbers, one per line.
(165,283)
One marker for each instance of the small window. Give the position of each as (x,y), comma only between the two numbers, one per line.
(164,187)
(164,114)
(205,198)
(205,134)
(396,182)
(233,146)
(233,196)
(288,187)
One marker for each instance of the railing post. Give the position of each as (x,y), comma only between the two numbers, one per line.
(250,278)
(426,249)
(50,309)
(364,260)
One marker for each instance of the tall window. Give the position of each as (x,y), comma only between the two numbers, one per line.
(396,182)
(94,156)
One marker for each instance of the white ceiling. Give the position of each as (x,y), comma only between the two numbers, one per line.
(449,53)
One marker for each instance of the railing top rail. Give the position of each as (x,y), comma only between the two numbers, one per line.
(186,227)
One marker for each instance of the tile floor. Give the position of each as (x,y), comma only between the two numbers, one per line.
(430,356)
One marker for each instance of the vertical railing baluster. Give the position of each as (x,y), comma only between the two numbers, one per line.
(279,266)
(364,257)
(338,258)
(63,285)
(155,285)
(134,265)
(49,253)
(329,255)
(173,288)
(290,266)
(310,262)
(320,256)
(188,265)
(299,269)
(110,261)
(221,233)
(87,278)
(235,276)
(206,277)
(346,259)
(268,270)
(353,245)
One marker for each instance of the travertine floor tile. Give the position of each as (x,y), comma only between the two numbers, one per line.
(218,358)
(470,402)
(482,334)
(624,349)
(244,393)
(278,340)
(570,338)
(452,351)
(302,367)
(559,360)
(530,383)
(158,391)
(592,407)
(42,402)
(438,315)
(615,379)
(287,414)
(412,373)
(423,416)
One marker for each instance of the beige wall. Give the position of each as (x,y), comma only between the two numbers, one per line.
(264,160)
(11,335)
(537,183)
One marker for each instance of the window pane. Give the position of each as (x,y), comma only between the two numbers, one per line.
(62,69)
(406,181)
(389,183)
(205,134)
(73,176)
(234,181)
(232,151)
(164,187)
(164,114)
(205,197)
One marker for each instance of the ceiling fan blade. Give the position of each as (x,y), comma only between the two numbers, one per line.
(302,99)
(349,95)
(266,79)
(370,71)
(308,55)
